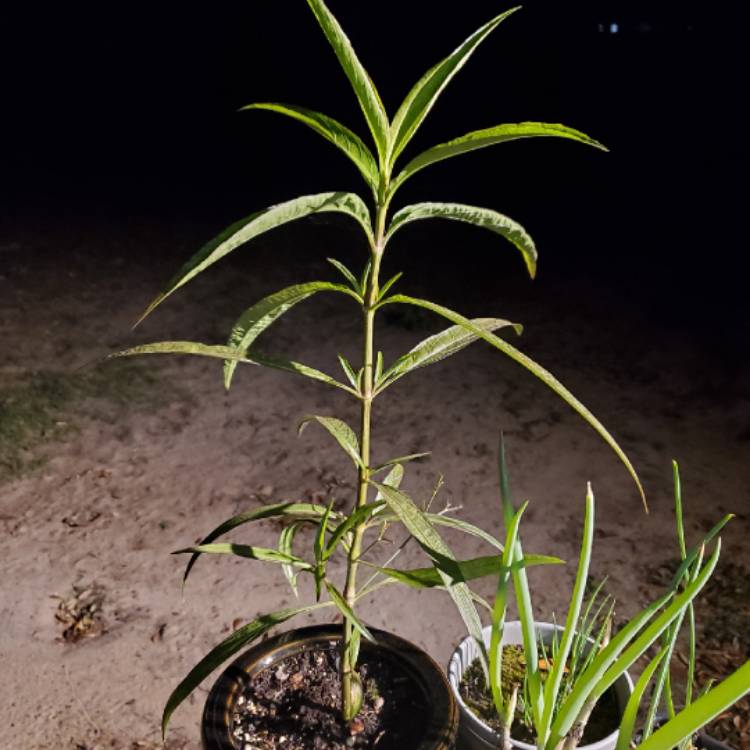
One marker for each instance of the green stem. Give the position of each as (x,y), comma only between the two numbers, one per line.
(348,664)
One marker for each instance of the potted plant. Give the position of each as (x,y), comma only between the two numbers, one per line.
(566,671)
(357,656)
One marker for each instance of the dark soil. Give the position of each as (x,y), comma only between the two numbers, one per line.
(295,705)
(603,721)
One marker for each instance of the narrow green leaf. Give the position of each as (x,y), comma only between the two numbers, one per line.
(348,524)
(388,284)
(470,570)
(629,716)
(420,527)
(287,365)
(339,135)
(554,679)
(523,598)
(348,371)
(498,612)
(347,274)
(481,217)
(364,88)
(378,367)
(489,137)
(341,432)
(261,315)
(440,346)
(701,712)
(399,460)
(243,550)
(277,510)
(227,648)
(286,547)
(347,611)
(420,100)
(537,370)
(318,550)
(365,276)
(246,229)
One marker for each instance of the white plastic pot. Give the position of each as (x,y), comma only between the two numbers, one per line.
(473,733)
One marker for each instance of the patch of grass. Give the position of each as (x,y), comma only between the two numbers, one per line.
(42,407)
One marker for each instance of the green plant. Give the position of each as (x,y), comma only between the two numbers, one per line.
(585,663)
(372,378)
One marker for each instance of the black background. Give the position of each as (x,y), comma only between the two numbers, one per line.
(130,110)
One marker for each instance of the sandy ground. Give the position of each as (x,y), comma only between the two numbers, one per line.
(129,484)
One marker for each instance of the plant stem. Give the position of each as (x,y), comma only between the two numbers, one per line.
(348,664)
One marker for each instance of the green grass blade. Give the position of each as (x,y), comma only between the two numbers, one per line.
(420,527)
(481,217)
(440,346)
(629,716)
(278,510)
(256,224)
(347,611)
(554,679)
(349,143)
(341,432)
(420,100)
(489,137)
(263,554)
(523,599)
(364,88)
(535,369)
(498,612)
(227,648)
(701,711)
(263,314)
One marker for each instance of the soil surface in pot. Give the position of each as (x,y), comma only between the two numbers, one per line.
(295,705)
(603,721)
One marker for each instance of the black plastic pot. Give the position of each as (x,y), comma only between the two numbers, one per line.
(427,677)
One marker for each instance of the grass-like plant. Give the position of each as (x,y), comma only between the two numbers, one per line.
(584,662)
(378,499)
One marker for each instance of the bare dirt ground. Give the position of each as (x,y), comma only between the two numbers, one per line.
(123,465)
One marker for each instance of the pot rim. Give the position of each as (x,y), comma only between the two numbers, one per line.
(426,675)
(478,726)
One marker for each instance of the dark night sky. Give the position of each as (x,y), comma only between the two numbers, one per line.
(131,109)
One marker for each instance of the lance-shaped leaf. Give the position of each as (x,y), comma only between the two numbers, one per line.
(489,137)
(364,88)
(702,711)
(286,547)
(264,554)
(318,549)
(227,648)
(361,515)
(418,525)
(399,460)
(440,346)
(342,433)
(339,135)
(277,510)
(535,369)
(420,100)
(228,353)
(470,570)
(246,229)
(480,217)
(347,611)
(261,315)
(347,274)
